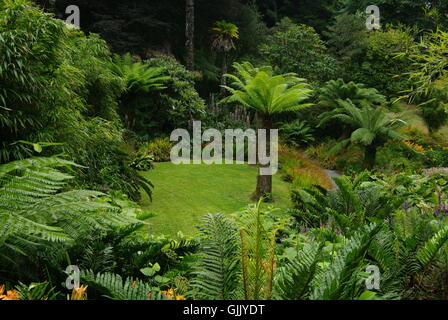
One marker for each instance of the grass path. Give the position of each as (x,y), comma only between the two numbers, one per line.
(184,193)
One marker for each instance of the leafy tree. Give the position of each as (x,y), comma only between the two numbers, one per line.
(347,39)
(409,12)
(267,94)
(59,88)
(298,49)
(383,64)
(429,79)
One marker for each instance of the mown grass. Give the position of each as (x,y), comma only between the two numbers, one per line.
(184,193)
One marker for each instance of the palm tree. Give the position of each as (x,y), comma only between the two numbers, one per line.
(372,128)
(223,35)
(138,78)
(267,94)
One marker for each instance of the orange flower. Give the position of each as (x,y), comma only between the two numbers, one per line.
(414,146)
(171,294)
(10,295)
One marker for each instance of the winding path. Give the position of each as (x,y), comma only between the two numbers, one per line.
(331,174)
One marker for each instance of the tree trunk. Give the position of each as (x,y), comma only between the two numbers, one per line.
(224,72)
(264,182)
(369,157)
(189,34)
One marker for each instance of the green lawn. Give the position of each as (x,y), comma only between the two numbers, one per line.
(184,193)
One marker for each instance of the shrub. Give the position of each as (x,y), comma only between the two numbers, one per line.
(297,133)
(159,148)
(384,61)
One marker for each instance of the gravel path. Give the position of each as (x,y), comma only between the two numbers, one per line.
(333,173)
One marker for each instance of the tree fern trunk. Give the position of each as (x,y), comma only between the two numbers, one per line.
(264,182)
(369,157)
(224,72)
(189,34)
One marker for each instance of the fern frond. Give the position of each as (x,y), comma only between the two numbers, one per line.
(334,283)
(218,267)
(112,286)
(293,281)
(428,252)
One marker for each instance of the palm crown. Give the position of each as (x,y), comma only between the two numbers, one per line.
(260,89)
(372,127)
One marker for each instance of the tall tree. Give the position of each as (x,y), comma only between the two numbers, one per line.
(189,34)
(267,94)
(223,35)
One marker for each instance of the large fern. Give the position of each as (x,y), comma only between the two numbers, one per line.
(427,253)
(293,281)
(335,282)
(112,286)
(218,268)
(257,254)
(34,209)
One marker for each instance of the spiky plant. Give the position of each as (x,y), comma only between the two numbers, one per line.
(293,281)
(308,277)
(297,133)
(112,286)
(339,280)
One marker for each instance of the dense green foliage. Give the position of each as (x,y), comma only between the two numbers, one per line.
(86,116)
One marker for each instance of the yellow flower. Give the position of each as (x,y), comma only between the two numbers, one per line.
(79,293)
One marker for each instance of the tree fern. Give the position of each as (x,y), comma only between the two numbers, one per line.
(218,268)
